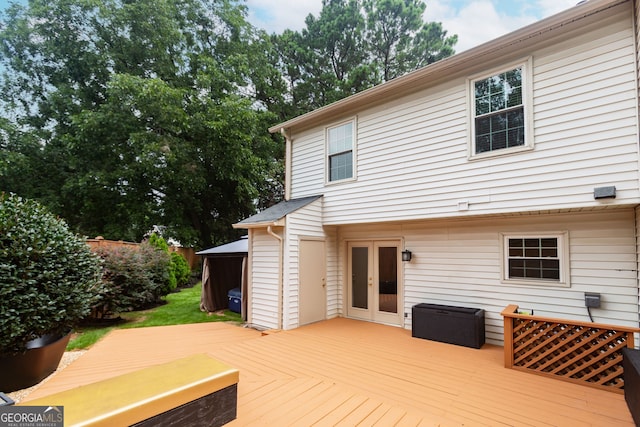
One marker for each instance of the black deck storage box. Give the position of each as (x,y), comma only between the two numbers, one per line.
(631,375)
(449,324)
(235,300)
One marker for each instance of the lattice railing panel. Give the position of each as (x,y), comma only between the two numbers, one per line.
(576,351)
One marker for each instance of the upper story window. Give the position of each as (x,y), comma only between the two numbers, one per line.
(340,158)
(500,112)
(536,259)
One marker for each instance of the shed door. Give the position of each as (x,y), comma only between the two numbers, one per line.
(313,297)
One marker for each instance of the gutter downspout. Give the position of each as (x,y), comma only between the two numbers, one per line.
(287,164)
(280,267)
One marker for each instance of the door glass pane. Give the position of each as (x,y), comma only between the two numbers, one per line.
(359,279)
(388,279)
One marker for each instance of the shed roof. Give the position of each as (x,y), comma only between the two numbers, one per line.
(238,247)
(272,215)
(505,48)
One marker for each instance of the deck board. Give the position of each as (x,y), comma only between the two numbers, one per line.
(346,372)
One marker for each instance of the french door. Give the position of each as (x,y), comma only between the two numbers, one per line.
(373,274)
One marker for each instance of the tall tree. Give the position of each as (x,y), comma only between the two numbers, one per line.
(21,159)
(290,56)
(400,41)
(336,51)
(355,44)
(153,112)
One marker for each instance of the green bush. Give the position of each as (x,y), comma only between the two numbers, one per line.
(49,278)
(133,279)
(160,267)
(181,269)
(160,244)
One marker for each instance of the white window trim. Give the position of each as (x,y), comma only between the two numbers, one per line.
(563,253)
(327,172)
(527,87)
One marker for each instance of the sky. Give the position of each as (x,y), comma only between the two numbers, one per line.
(474,21)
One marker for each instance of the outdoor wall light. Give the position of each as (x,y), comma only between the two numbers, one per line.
(406,255)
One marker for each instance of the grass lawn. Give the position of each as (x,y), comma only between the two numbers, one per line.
(181,308)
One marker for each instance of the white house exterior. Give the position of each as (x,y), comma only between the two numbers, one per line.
(509,171)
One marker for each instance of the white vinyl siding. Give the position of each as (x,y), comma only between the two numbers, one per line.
(305,222)
(265,258)
(458,262)
(334,294)
(308,164)
(413,152)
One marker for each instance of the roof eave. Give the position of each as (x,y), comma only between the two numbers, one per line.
(265,224)
(222,254)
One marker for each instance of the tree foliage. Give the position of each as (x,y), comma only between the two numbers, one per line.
(353,45)
(144,113)
(179,270)
(400,41)
(133,278)
(49,279)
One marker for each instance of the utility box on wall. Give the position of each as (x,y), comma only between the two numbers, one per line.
(449,324)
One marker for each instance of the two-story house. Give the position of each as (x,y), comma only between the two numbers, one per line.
(506,174)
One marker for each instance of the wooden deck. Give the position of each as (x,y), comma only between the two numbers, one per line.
(346,372)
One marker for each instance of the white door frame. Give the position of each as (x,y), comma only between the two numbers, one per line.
(371,310)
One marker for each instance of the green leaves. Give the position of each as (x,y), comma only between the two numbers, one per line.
(134,278)
(151,112)
(353,45)
(49,279)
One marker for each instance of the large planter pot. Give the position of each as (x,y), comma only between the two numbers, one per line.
(41,359)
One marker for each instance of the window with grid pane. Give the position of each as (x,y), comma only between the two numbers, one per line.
(499,117)
(533,258)
(340,151)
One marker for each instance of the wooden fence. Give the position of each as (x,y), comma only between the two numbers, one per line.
(582,352)
(188,253)
(102,243)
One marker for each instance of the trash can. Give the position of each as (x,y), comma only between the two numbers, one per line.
(235,300)
(449,324)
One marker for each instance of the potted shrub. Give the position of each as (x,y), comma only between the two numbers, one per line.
(49,279)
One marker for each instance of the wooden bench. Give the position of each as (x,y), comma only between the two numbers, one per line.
(195,391)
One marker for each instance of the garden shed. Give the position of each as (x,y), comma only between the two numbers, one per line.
(223,268)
